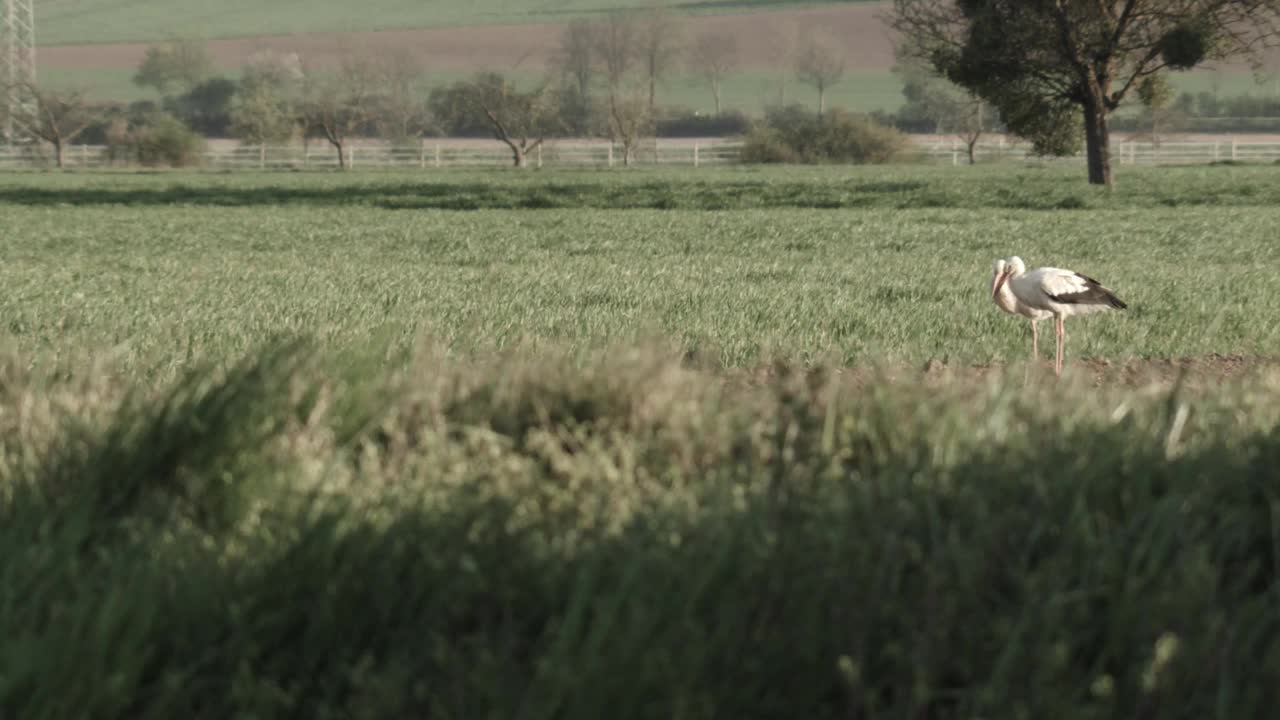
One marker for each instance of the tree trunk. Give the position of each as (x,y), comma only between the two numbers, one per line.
(1097,138)
(822,99)
(715,91)
(973,144)
(57,153)
(518,156)
(342,154)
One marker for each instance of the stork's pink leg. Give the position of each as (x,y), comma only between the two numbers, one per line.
(1035,342)
(1060,339)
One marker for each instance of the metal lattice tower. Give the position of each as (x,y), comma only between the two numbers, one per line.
(17,68)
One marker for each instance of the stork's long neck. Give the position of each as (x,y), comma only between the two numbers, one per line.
(1005,299)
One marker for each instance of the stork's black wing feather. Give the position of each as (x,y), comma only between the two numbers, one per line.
(1093,294)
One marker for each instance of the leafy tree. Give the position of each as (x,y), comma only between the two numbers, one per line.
(1055,67)
(58,117)
(260,116)
(180,65)
(713,56)
(520,120)
(282,72)
(206,108)
(1156,95)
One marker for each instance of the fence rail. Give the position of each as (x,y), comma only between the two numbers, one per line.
(426,156)
(430,155)
(1123,153)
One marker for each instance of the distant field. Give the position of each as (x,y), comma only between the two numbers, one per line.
(92,21)
(748,91)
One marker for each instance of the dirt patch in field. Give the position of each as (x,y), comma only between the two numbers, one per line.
(525,47)
(1138,372)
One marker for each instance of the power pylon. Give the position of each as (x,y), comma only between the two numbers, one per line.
(17,68)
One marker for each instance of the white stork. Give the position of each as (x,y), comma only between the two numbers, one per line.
(1005,300)
(1058,292)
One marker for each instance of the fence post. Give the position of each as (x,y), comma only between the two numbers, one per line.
(610,153)
(422,154)
(84,155)
(695,153)
(351,157)
(1215,151)
(437,154)
(1233,147)
(262,156)
(539,154)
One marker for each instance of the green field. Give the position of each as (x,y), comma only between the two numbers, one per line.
(748,92)
(74,22)
(746,264)
(650,444)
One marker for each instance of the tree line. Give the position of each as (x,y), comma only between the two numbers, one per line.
(602,80)
(1050,71)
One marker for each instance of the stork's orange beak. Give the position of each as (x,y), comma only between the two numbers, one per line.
(998,283)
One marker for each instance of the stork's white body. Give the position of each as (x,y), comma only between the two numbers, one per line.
(1057,292)
(1008,302)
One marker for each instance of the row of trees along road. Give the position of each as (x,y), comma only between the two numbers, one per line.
(1053,68)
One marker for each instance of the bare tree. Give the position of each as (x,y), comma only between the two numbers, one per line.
(575,60)
(618,50)
(628,119)
(713,56)
(339,106)
(952,109)
(659,42)
(400,111)
(782,48)
(820,63)
(520,120)
(58,117)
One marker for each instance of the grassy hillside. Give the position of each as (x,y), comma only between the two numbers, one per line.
(95,21)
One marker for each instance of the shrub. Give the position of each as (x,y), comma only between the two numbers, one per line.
(767,145)
(794,134)
(154,139)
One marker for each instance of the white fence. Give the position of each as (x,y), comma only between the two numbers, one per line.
(428,155)
(1123,153)
(448,154)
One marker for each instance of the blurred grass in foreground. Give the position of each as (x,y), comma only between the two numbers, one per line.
(303,534)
